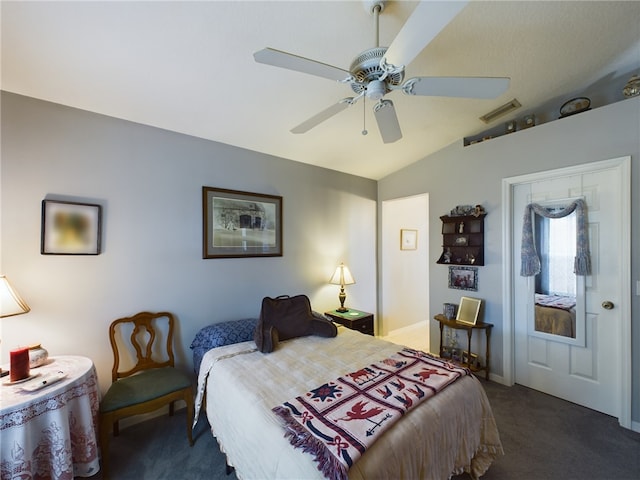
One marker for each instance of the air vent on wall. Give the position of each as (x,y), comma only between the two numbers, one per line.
(500,111)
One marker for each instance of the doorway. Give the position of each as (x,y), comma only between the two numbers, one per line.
(594,372)
(404,299)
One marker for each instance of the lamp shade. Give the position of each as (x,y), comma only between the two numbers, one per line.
(10,301)
(342,276)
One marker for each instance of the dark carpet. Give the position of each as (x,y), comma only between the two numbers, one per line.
(543,438)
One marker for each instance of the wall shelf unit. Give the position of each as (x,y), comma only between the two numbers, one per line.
(462,240)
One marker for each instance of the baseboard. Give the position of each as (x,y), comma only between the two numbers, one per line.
(498,379)
(635,426)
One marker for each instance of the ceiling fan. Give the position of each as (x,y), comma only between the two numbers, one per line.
(380,70)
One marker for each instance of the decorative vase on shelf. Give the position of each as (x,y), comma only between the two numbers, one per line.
(37,355)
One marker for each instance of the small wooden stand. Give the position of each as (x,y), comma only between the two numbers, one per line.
(452,323)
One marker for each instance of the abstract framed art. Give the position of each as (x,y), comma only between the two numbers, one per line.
(70,228)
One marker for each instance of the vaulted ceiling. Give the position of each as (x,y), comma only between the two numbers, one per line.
(189,67)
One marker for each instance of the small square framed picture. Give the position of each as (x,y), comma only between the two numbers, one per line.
(70,228)
(408,239)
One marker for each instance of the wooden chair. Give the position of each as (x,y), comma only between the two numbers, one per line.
(152,382)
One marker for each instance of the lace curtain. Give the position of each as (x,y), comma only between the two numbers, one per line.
(530,261)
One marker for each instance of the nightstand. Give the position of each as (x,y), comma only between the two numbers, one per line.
(353,319)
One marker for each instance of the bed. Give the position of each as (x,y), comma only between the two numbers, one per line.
(451,433)
(555,314)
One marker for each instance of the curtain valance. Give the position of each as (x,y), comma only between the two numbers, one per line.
(531,262)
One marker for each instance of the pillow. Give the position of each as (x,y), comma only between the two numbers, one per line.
(219,335)
(285,317)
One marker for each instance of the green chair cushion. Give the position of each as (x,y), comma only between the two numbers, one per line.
(143,387)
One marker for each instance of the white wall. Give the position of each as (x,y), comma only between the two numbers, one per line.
(472,175)
(149,183)
(404,284)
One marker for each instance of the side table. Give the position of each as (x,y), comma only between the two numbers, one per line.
(353,319)
(452,323)
(51,432)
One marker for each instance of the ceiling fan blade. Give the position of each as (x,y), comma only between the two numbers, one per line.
(424,24)
(323,115)
(467,87)
(387,120)
(277,58)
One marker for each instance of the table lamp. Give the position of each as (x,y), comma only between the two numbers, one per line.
(10,303)
(342,277)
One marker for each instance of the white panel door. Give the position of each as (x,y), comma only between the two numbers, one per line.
(588,374)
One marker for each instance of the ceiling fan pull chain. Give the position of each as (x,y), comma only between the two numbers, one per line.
(364,115)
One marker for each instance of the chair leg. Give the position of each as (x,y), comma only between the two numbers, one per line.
(171,409)
(116,428)
(188,398)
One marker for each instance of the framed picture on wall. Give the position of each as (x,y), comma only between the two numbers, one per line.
(70,228)
(240,224)
(408,239)
(463,278)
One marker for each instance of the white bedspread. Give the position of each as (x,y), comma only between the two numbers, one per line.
(450,433)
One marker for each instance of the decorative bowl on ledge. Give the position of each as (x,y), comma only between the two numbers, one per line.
(632,88)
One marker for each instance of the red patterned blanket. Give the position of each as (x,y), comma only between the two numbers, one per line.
(339,420)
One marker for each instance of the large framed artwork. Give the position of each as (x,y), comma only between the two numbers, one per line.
(240,224)
(70,228)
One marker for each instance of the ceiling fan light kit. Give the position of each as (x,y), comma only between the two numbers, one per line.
(379,71)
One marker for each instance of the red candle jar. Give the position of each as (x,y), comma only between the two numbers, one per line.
(19,364)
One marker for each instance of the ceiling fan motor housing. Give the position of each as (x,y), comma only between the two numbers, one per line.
(366,68)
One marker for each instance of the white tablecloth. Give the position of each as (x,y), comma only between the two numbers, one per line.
(51,433)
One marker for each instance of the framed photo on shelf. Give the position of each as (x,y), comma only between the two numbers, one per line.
(408,239)
(463,278)
(239,224)
(70,228)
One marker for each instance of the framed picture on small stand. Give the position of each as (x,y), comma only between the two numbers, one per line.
(468,310)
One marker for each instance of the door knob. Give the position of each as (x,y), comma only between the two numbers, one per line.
(607,305)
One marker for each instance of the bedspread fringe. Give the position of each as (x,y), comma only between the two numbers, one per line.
(480,462)
(300,438)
